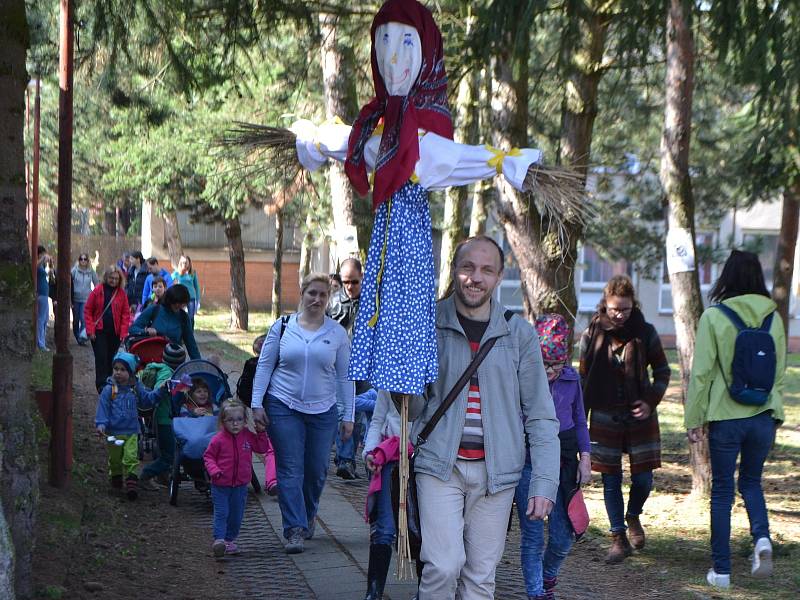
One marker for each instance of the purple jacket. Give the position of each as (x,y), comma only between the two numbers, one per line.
(568,400)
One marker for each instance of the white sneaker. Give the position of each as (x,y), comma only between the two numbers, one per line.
(715,579)
(762,558)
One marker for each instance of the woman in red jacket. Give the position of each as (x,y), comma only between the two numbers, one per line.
(107,316)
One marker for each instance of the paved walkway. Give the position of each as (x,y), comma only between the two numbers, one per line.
(334,564)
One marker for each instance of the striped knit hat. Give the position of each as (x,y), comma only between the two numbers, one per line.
(174,355)
(554,337)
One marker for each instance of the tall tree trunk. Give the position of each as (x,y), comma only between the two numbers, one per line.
(306,248)
(124,216)
(482,196)
(239,308)
(583,62)
(277,266)
(546,260)
(6,555)
(340,101)
(784,260)
(509,123)
(172,233)
(484,191)
(687,301)
(110,221)
(455,206)
(18,450)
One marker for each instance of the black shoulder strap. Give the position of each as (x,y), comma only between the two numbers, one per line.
(284,323)
(459,385)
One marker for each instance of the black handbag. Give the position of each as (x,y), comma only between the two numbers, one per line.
(412,505)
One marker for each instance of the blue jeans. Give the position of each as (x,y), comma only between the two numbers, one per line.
(229,503)
(42,316)
(77,319)
(192,310)
(641,484)
(381,519)
(166,452)
(539,563)
(346,451)
(751,437)
(302,444)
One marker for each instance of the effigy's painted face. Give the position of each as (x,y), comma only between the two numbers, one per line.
(399,53)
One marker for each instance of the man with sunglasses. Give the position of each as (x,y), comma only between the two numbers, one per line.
(343,308)
(84,280)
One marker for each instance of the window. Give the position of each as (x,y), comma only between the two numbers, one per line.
(509,292)
(597,269)
(706,271)
(765,245)
(594,273)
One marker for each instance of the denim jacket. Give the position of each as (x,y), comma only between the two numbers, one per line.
(512,380)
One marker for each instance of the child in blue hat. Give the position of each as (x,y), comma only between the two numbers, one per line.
(117,420)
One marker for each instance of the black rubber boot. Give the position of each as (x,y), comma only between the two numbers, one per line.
(380,555)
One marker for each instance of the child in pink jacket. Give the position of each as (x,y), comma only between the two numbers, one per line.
(229,462)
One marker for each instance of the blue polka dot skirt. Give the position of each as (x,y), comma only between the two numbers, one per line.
(394,345)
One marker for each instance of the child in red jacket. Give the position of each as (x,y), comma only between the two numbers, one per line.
(229,462)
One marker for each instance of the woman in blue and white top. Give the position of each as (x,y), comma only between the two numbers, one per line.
(302,371)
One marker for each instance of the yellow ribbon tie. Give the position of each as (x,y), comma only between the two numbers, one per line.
(498,156)
(374,319)
(335,120)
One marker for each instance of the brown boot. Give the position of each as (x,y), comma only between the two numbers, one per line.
(635,531)
(620,548)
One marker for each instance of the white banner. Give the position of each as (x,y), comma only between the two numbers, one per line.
(346,242)
(680,251)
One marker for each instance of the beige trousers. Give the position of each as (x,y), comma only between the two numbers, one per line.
(463,533)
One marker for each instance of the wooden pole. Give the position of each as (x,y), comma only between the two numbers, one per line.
(404,568)
(37,121)
(61,438)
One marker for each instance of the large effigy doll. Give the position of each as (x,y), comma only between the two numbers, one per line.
(401,146)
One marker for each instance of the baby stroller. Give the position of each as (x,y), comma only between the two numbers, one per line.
(193,434)
(147,350)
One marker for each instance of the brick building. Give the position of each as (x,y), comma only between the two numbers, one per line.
(207,246)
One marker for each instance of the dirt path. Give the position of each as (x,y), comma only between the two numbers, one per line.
(92,543)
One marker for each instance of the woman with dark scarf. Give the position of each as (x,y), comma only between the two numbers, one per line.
(616,350)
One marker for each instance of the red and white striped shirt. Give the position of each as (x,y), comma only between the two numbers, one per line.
(471,446)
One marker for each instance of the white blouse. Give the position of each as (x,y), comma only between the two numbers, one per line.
(442,162)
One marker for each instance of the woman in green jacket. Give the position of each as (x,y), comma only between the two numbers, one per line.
(186,275)
(735,429)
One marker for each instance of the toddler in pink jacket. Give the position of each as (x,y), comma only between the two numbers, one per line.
(229,462)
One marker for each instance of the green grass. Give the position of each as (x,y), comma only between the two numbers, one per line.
(677,522)
(218,321)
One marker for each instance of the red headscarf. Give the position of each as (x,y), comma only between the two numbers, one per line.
(425,107)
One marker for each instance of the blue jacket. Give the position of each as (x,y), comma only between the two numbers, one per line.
(148,284)
(42,285)
(171,324)
(117,404)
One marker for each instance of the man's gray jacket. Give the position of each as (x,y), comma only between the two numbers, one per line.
(512,381)
(343,309)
